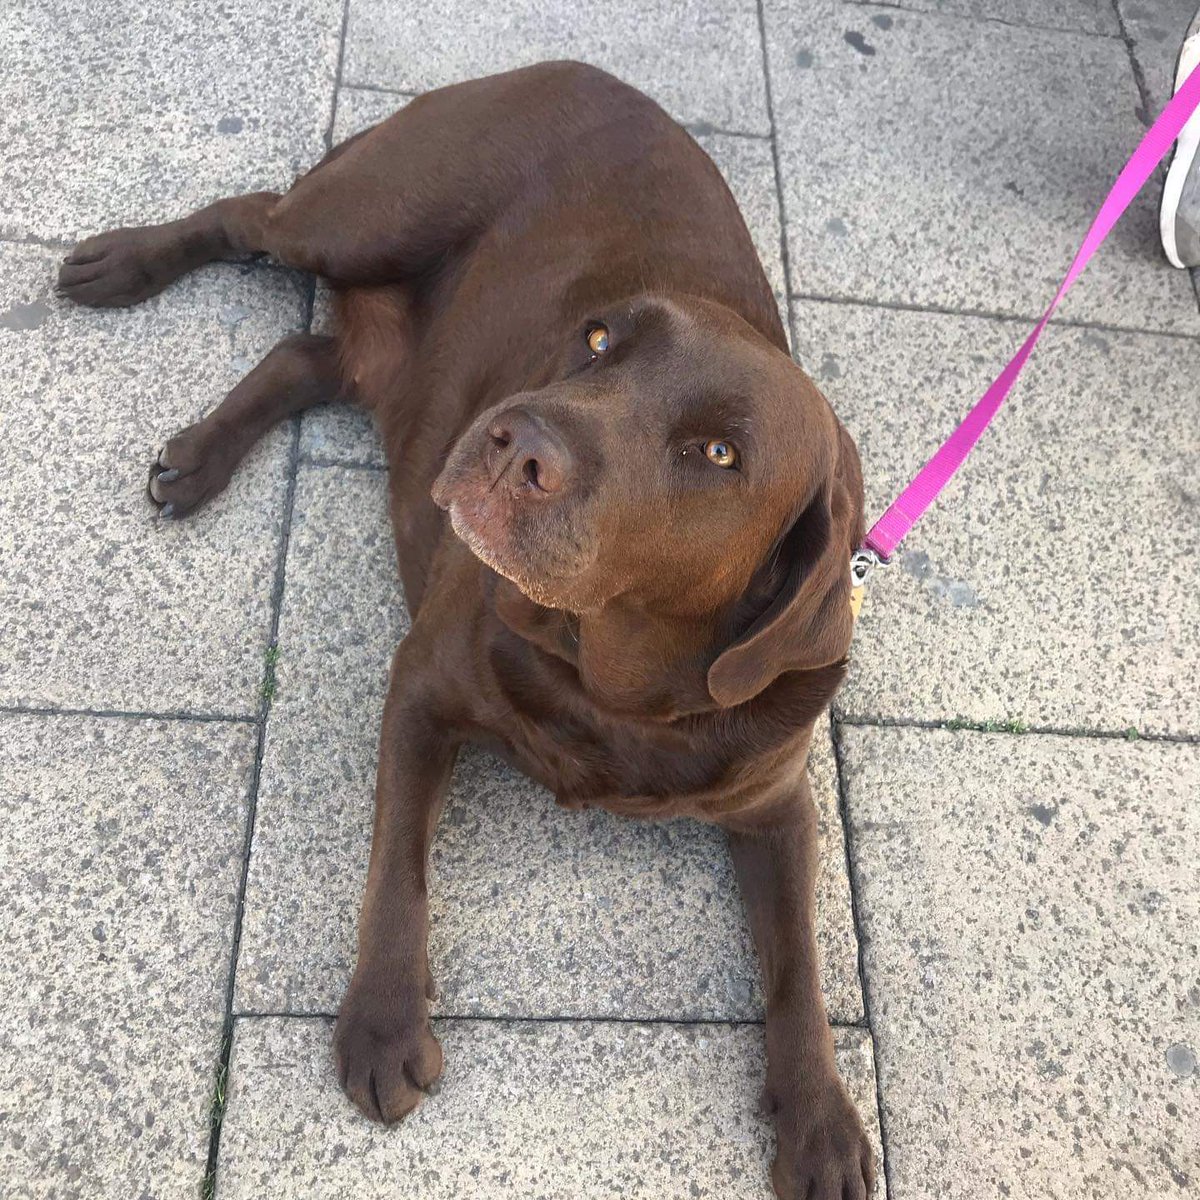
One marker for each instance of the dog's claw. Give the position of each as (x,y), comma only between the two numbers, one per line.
(168,476)
(167,511)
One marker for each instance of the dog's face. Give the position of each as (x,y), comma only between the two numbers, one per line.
(678,460)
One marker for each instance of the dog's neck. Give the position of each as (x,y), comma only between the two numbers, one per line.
(629,660)
(646,664)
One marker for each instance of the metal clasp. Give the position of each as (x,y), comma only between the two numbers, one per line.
(862,562)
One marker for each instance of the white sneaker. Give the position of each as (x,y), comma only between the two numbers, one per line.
(1179,216)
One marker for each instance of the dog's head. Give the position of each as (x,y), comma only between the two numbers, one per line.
(680,462)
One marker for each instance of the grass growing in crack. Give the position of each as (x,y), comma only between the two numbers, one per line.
(269,688)
(1131,734)
(1012,725)
(216,1114)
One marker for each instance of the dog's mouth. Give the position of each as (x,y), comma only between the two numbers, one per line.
(469,532)
(540,551)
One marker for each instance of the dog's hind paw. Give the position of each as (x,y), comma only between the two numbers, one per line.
(121,267)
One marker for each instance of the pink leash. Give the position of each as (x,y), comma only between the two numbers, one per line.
(908,508)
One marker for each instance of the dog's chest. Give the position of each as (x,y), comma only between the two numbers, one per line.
(612,768)
(590,758)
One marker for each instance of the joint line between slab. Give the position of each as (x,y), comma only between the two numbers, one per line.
(532,1019)
(704,129)
(337,76)
(35,710)
(960,725)
(988,315)
(852,879)
(351,464)
(544,1019)
(784,255)
(1139,78)
(379,88)
(208,1186)
(990,20)
(289,503)
(23,239)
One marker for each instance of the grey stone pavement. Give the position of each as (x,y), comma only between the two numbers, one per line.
(1010,916)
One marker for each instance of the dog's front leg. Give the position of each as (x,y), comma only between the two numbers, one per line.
(823,1151)
(387,1056)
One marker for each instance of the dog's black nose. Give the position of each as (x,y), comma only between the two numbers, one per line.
(526,455)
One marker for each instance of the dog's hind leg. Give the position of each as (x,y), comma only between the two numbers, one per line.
(199,461)
(129,265)
(125,266)
(385,206)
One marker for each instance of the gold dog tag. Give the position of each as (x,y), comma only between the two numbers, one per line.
(856,599)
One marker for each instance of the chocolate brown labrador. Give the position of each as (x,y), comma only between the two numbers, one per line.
(624,515)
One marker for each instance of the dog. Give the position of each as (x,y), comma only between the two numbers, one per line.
(624,516)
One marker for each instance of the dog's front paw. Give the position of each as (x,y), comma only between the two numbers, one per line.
(823,1152)
(387,1057)
(191,469)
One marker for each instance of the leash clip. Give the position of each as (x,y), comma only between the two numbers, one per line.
(862,562)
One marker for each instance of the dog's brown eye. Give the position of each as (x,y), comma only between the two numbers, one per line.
(597,340)
(721,453)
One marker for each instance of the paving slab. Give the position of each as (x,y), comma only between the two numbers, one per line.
(957,164)
(340,434)
(122,849)
(536,1110)
(1039,587)
(1156,30)
(702,63)
(1076,16)
(1032,933)
(134,112)
(536,911)
(103,604)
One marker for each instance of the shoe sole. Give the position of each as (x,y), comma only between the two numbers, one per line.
(1181,163)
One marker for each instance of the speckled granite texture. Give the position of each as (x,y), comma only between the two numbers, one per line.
(188,713)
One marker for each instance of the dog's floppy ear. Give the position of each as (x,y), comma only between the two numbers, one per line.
(808,623)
